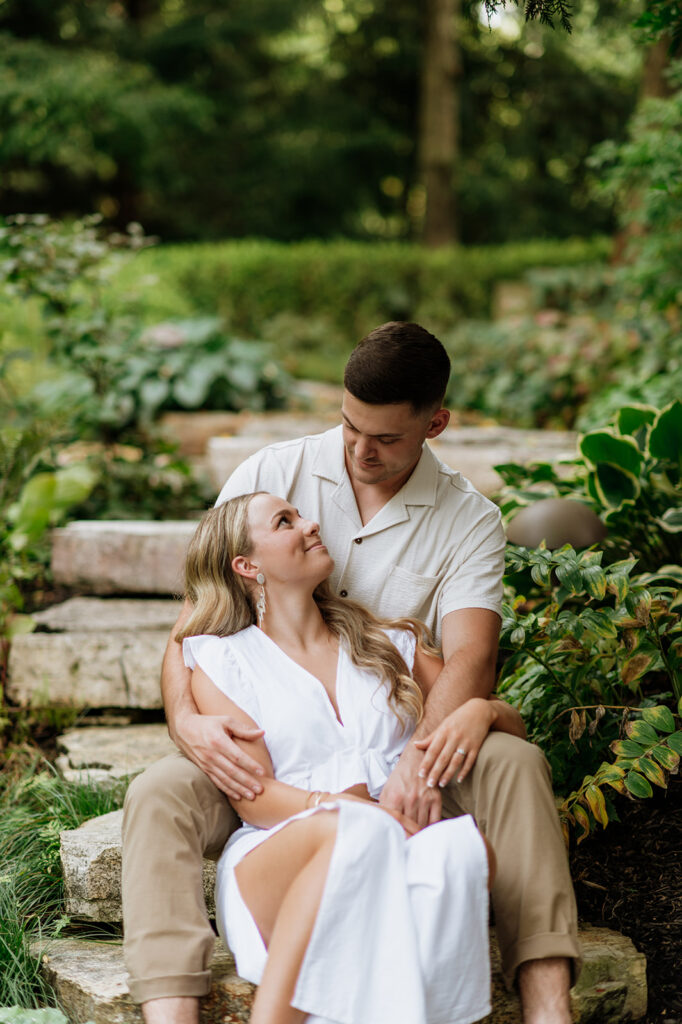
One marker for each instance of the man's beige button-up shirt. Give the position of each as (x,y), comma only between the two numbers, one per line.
(436,547)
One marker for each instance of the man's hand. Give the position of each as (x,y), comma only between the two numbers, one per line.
(207,741)
(409,795)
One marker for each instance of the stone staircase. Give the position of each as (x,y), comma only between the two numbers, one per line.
(103,651)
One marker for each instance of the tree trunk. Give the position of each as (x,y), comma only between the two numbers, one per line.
(438,122)
(653,82)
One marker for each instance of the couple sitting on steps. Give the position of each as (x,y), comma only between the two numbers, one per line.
(305,689)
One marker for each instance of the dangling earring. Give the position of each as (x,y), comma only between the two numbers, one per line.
(260,603)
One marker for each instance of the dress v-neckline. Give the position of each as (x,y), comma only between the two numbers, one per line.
(318,682)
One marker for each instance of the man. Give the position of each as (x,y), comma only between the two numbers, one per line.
(408,536)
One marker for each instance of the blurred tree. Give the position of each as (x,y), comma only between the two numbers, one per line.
(206,120)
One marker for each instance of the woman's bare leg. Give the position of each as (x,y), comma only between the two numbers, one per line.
(281,883)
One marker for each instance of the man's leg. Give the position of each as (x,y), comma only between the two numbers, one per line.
(509,793)
(173,817)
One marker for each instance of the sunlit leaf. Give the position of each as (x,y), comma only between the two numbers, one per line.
(627,748)
(653,771)
(583,819)
(665,757)
(660,717)
(597,804)
(638,785)
(675,742)
(642,732)
(594,581)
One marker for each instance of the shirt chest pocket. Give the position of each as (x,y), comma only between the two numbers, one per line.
(406,593)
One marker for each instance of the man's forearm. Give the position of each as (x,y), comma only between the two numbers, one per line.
(176,690)
(467,673)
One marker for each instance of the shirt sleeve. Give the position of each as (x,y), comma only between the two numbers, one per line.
(212,654)
(476,580)
(244,480)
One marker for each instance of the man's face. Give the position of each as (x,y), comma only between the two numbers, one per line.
(384,442)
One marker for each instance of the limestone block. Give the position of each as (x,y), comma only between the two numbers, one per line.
(191,431)
(85,669)
(102,615)
(225,454)
(91,863)
(104,754)
(89,979)
(108,557)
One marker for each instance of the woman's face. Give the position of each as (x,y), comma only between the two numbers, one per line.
(286,547)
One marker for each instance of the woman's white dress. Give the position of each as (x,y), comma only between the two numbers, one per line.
(401,935)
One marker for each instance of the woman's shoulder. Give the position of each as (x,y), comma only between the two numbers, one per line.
(208,645)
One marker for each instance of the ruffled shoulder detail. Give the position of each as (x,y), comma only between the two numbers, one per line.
(406,642)
(215,656)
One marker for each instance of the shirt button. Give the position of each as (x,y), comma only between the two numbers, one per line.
(343,593)
(358,540)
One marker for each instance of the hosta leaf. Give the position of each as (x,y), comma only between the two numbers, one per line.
(665,440)
(542,574)
(653,771)
(638,785)
(635,667)
(605,447)
(632,417)
(642,732)
(671,520)
(627,748)
(666,757)
(597,804)
(675,742)
(660,717)
(615,486)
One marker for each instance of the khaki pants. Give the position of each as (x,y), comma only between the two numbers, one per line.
(174,816)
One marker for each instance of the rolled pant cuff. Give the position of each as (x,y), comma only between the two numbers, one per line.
(542,947)
(174,985)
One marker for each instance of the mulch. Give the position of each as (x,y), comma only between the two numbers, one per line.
(629,878)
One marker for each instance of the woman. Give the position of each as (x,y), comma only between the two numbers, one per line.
(320,896)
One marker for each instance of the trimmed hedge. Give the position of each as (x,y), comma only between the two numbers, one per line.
(349,287)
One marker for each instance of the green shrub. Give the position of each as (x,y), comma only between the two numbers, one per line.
(346,287)
(630,473)
(539,371)
(594,651)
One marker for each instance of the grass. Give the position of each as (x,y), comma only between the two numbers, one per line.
(35,806)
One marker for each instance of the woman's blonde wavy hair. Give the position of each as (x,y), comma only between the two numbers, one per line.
(223,603)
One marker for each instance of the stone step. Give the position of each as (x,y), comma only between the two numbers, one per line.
(106,754)
(121,557)
(91,863)
(91,652)
(474,451)
(89,978)
(613,976)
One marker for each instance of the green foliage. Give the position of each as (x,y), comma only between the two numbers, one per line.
(33,811)
(536,372)
(34,496)
(587,646)
(331,293)
(297,120)
(630,473)
(643,177)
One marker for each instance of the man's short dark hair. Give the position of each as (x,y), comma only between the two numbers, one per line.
(399,362)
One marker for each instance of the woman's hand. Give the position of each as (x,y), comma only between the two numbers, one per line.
(361,793)
(453,747)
